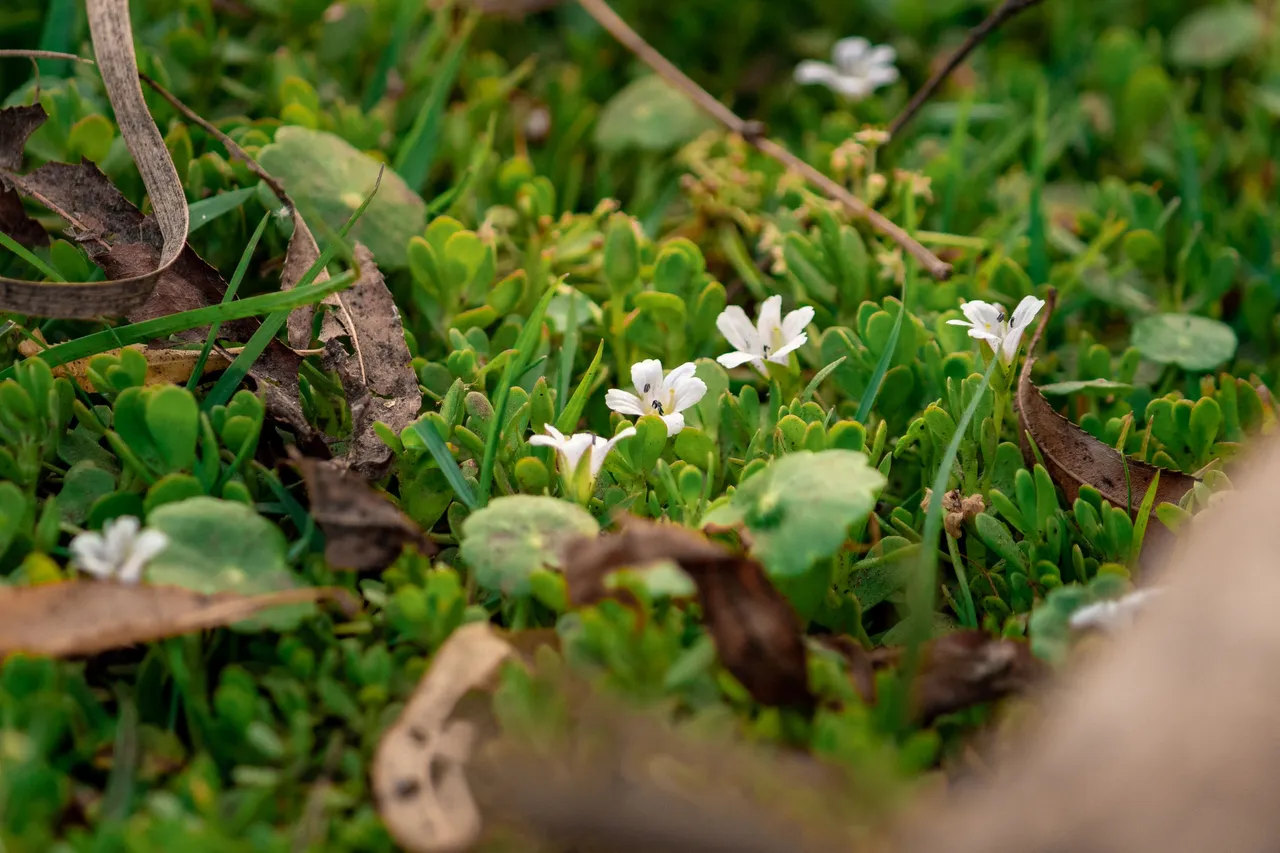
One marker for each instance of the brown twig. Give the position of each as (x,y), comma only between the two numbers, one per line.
(1005,11)
(753,132)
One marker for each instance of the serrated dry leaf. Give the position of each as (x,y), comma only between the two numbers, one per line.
(85,617)
(1075,458)
(1164,739)
(363,530)
(387,390)
(112,37)
(418,774)
(757,633)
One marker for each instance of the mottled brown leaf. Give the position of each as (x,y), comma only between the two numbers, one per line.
(1075,458)
(957,670)
(16,126)
(85,617)
(385,389)
(363,529)
(757,633)
(419,770)
(15,222)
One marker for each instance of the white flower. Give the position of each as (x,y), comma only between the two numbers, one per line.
(858,69)
(121,551)
(655,395)
(572,447)
(1111,616)
(989,323)
(772,338)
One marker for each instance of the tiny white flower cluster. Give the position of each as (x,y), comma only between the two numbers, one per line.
(120,552)
(856,69)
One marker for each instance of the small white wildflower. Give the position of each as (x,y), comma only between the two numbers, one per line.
(772,338)
(655,395)
(1114,615)
(988,322)
(572,448)
(121,551)
(857,69)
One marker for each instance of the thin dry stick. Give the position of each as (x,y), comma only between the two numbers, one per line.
(753,132)
(1003,12)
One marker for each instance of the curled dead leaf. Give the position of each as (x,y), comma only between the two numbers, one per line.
(363,529)
(756,631)
(112,37)
(418,775)
(1075,458)
(86,617)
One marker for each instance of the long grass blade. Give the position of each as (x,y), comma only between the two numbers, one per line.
(439,451)
(418,151)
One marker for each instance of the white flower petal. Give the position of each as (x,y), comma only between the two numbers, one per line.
(149,544)
(849,52)
(688,392)
(984,335)
(881,54)
(573,449)
(982,313)
(601,447)
(737,329)
(646,376)
(674,422)
(679,375)
(783,353)
(880,75)
(623,402)
(795,322)
(555,434)
(1009,346)
(959,323)
(1026,311)
(770,319)
(810,71)
(854,88)
(545,441)
(736,359)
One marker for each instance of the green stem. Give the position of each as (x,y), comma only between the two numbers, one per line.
(970,612)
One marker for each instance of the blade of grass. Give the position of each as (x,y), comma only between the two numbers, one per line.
(920,593)
(405,23)
(568,352)
(149,330)
(238,369)
(1144,516)
(232,288)
(448,465)
(572,410)
(818,378)
(872,391)
(1037,247)
(515,366)
(56,36)
(30,257)
(208,209)
(418,151)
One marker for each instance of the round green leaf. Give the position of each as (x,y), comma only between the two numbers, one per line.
(1213,36)
(799,508)
(651,115)
(515,536)
(1189,341)
(327,176)
(219,546)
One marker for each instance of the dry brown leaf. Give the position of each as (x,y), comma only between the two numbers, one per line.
(386,390)
(1075,458)
(112,38)
(1164,739)
(85,617)
(14,220)
(363,529)
(418,775)
(757,633)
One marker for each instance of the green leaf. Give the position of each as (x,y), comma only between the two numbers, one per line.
(514,536)
(173,419)
(567,423)
(1093,387)
(219,546)
(1186,340)
(208,209)
(1213,36)
(13,510)
(421,434)
(799,508)
(649,114)
(330,178)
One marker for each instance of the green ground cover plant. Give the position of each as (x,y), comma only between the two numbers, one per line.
(409,408)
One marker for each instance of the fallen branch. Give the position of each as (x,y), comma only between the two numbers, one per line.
(1005,11)
(753,132)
